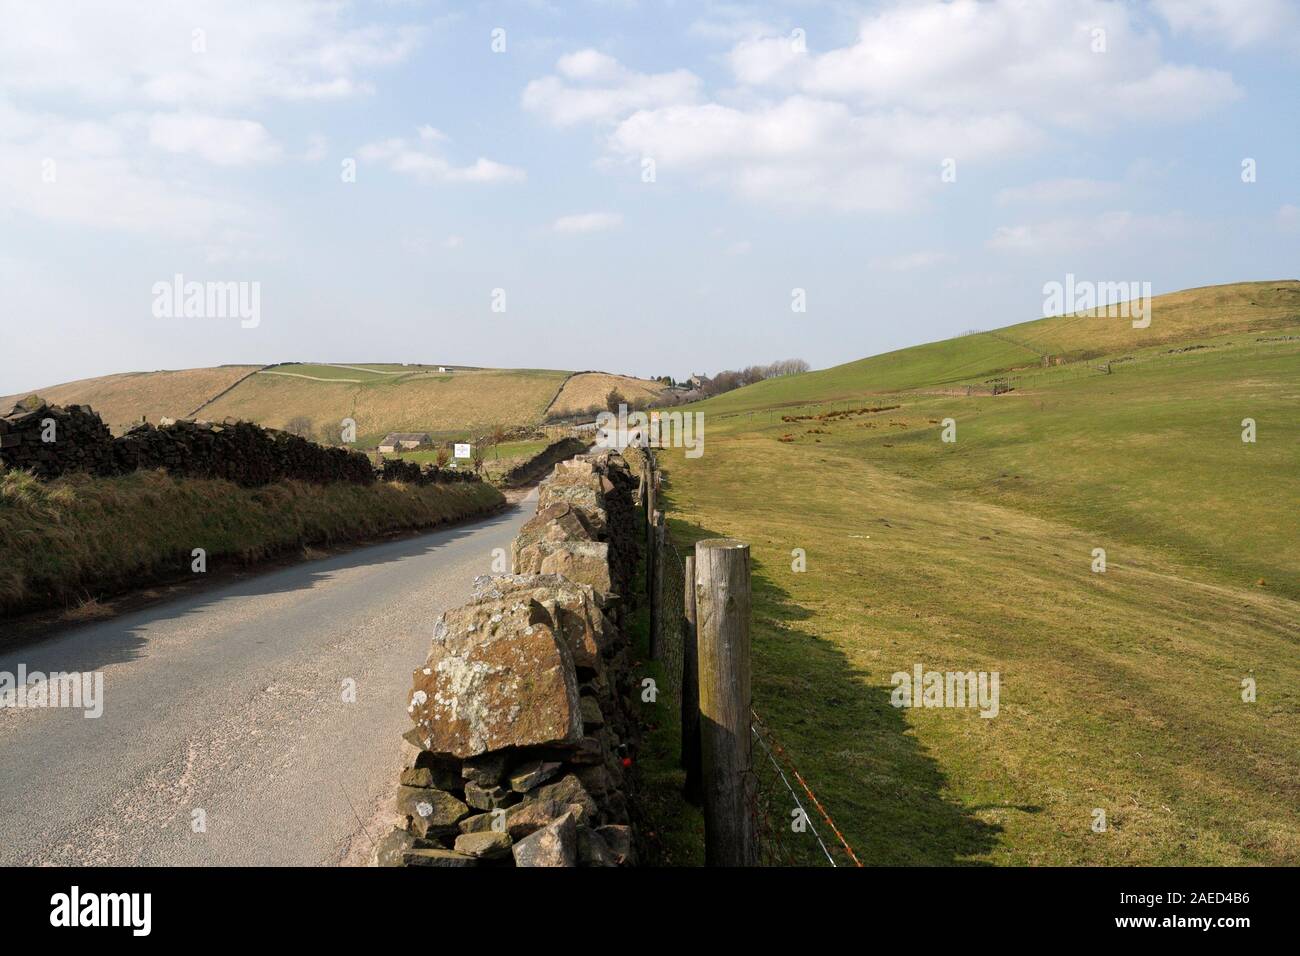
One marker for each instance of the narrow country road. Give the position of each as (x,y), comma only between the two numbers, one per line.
(231,702)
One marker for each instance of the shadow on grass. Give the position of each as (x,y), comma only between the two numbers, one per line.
(837,727)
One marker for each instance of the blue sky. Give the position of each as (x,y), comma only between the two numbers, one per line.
(795,146)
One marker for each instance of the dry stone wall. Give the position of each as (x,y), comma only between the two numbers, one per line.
(543,461)
(51,440)
(524,711)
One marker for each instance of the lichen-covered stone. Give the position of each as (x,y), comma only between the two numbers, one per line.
(586,562)
(428,812)
(488,798)
(576,611)
(497,676)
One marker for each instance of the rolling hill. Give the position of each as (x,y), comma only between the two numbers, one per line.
(1123,690)
(1180,317)
(380,397)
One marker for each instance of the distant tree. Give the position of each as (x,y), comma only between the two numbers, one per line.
(443,456)
(613,399)
(730,379)
(300,425)
(477,457)
(497,433)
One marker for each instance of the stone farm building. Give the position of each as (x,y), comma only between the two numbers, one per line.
(404,441)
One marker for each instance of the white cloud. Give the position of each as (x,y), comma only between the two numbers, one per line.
(245,51)
(587,222)
(593,87)
(866,126)
(1032,56)
(1071,234)
(85,173)
(422,162)
(803,151)
(226,142)
(1236,23)
(163,81)
(1063,190)
(1288,217)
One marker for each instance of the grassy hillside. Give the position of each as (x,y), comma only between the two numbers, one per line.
(443,404)
(122,399)
(586,390)
(1180,317)
(1121,691)
(380,397)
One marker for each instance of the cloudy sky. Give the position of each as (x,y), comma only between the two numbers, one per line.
(648,182)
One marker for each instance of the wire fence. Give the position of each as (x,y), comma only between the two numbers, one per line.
(793,827)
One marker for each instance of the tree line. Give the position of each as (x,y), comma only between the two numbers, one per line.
(730,379)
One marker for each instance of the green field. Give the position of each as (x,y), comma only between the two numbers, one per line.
(1120,691)
(497,460)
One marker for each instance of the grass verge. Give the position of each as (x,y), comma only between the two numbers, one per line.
(69,541)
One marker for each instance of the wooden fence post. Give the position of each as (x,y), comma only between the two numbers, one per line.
(655,573)
(650,556)
(690,691)
(723,606)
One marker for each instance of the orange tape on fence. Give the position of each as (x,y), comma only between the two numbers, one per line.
(776,744)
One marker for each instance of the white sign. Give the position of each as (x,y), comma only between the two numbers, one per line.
(462,451)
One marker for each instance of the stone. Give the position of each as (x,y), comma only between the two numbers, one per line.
(488,798)
(592,718)
(486,770)
(576,611)
(427,777)
(558,522)
(548,803)
(588,751)
(619,840)
(389,850)
(595,780)
(497,676)
(486,844)
(445,773)
(530,816)
(429,812)
(437,857)
(532,774)
(593,850)
(553,845)
(476,823)
(586,562)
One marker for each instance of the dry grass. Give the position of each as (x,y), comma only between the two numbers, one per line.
(438,404)
(588,389)
(87,609)
(122,399)
(70,541)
